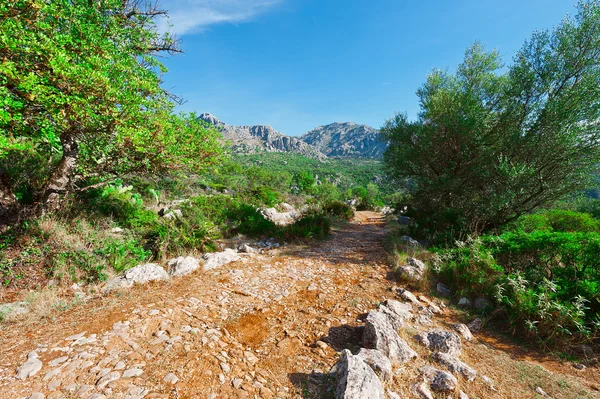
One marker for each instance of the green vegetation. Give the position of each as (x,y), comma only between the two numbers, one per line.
(543,272)
(494,143)
(497,165)
(82,102)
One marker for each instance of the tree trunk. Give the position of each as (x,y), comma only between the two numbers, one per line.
(59,182)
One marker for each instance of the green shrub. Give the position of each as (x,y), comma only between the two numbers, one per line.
(339,209)
(312,226)
(546,281)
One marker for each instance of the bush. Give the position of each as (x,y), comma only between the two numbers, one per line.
(339,209)
(546,281)
(312,226)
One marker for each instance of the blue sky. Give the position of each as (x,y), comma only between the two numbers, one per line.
(298,64)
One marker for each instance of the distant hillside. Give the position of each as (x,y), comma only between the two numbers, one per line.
(250,139)
(346,140)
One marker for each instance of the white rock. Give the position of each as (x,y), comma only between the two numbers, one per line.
(408,296)
(137,275)
(464,331)
(397,312)
(37,395)
(380,364)
(171,378)
(108,378)
(133,372)
(441,341)
(218,259)
(540,391)
(464,303)
(30,367)
(380,334)
(183,266)
(455,365)
(356,380)
(439,380)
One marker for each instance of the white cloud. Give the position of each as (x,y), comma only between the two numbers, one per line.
(189,16)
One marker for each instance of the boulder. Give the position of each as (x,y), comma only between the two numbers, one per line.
(140,274)
(464,303)
(175,214)
(280,218)
(380,334)
(443,290)
(380,364)
(413,270)
(397,312)
(441,381)
(455,365)
(218,259)
(356,380)
(30,367)
(408,241)
(441,341)
(246,249)
(182,266)
(408,296)
(464,331)
(422,390)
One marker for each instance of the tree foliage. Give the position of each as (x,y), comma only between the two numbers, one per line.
(492,143)
(80,97)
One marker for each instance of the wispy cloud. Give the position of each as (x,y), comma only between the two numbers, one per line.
(190,16)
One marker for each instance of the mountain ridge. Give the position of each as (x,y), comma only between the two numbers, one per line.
(338,139)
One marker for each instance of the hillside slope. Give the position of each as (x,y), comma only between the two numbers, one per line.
(346,139)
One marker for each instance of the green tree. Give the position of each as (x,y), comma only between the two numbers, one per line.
(303,181)
(492,143)
(80,97)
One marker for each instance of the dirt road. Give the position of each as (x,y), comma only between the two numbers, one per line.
(268,326)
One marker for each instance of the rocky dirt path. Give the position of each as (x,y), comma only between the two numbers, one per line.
(269,326)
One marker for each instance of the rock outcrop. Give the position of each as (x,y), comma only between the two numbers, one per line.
(356,380)
(248,139)
(346,139)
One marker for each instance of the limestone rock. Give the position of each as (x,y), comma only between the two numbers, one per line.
(171,378)
(218,259)
(464,303)
(108,378)
(175,214)
(380,364)
(246,249)
(408,296)
(280,218)
(183,266)
(380,334)
(30,367)
(137,275)
(464,331)
(441,341)
(37,395)
(422,390)
(356,380)
(455,365)
(475,325)
(397,312)
(439,380)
